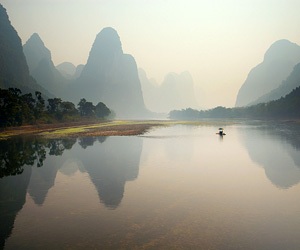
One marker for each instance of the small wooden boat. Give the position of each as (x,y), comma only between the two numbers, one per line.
(221,132)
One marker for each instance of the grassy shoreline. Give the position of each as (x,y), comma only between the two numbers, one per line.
(107,128)
(95,128)
(74,129)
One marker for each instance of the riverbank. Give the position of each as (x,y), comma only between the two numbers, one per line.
(111,128)
(74,129)
(92,128)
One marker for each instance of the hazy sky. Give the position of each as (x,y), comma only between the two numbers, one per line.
(217,41)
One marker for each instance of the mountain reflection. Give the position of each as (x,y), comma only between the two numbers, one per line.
(42,179)
(22,169)
(12,198)
(110,165)
(276,149)
(31,165)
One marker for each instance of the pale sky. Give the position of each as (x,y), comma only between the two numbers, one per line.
(217,41)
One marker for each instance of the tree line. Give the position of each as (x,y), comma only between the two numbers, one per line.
(284,108)
(17,109)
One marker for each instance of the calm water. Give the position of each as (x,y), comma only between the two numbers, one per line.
(182,187)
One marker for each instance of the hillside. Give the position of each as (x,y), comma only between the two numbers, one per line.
(110,76)
(278,63)
(41,67)
(292,82)
(13,66)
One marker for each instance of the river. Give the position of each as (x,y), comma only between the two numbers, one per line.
(178,187)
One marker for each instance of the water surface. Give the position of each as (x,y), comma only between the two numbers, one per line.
(181,187)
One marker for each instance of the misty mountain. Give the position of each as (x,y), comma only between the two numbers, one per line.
(41,67)
(292,82)
(78,71)
(110,76)
(176,91)
(278,63)
(150,89)
(69,70)
(13,66)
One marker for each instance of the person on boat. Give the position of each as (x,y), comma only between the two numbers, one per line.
(221,131)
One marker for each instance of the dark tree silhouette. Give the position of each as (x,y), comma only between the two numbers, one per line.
(102,110)
(17,109)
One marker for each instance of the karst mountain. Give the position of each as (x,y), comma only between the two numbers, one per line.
(41,66)
(175,92)
(110,76)
(14,72)
(278,63)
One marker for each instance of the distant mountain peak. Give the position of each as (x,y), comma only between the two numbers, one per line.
(66,68)
(106,45)
(36,39)
(35,51)
(281,49)
(109,35)
(35,42)
(110,76)
(175,92)
(41,67)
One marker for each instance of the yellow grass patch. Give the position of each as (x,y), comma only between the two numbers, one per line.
(108,128)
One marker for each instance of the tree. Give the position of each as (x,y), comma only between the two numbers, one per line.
(28,105)
(68,108)
(39,105)
(54,105)
(11,107)
(101,110)
(80,105)
(86,108)
(17,109)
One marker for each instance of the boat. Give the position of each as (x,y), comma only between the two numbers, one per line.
(221,132)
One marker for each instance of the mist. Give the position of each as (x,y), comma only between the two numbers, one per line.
(162,124)
(217,42)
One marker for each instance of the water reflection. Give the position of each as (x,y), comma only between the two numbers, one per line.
(193,178)
(31,165)
(22,169)
(276,149)
(112,164)
(12,198)
(85,142)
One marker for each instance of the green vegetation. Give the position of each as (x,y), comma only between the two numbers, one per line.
(104,128)
(285,108)
(18,109)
